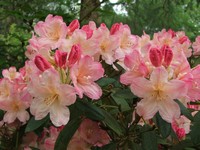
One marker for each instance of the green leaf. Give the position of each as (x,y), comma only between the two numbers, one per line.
(35,124)
(163,126)
(90,110)
(195,134)
(124,93)
(197,117)
(184,110)
(105,81)
(124,106)
(182,145)
(1,114)
(112,123)
(134,146)
(66,134)
(149,140)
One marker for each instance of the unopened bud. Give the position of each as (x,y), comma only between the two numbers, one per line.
(155,56)
(115,27)
(173,34)
(88,31)
(168,55)
(74,55)
(183,39)
(60,58)
(73,26)
(42,63)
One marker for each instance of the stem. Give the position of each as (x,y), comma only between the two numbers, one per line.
(17,141)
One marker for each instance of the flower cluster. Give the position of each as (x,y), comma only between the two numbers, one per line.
(65,61)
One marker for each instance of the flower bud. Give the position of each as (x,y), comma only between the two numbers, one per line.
(88,31)
(167,54)
(183,39)
(180,133)
(73,26)
(115,27)
(60,58)
(155,56)
(74,55)
(173,34)
(42,63)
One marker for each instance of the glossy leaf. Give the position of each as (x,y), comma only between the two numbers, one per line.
(90,110)
(35,124)
(184,110)
(149,140)
(66,134)
(112,123)
(163,126)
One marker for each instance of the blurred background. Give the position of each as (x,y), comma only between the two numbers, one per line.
(18,17)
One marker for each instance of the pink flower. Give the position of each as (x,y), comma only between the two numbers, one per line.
(107,44)
(135,68)
(15,108)
(196,46)
(181,126)
(52,31)
(83,75)
(51,96)
(158,94)
(11,73)
(192,79)
(91,133)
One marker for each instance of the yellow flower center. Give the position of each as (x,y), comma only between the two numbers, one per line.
(51,99)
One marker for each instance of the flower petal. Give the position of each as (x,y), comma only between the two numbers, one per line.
(39,109)
(147,108)
(141,87)
(9,117)
(92,90)
(169,110)
(159,75)
(59,115)
(175,89)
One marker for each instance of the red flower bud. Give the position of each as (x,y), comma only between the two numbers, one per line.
(42,63)
(155,56)
(88,31)
(172,32)
(74,55)
(73,26)
(183,39)
(168,55)
(115,27)
(60,58)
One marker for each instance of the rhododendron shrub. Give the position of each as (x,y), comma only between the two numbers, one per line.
(93,87)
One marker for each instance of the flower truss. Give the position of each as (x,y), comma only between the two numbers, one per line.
(89,87)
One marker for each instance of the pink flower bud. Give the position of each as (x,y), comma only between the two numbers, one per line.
(73,26)
(172,32)
(168,55)
(88,31)
(155,56)
(103,25)
(183,39)
(74,55)
(180,132)
(42,63)
(115,27)
(60,58)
